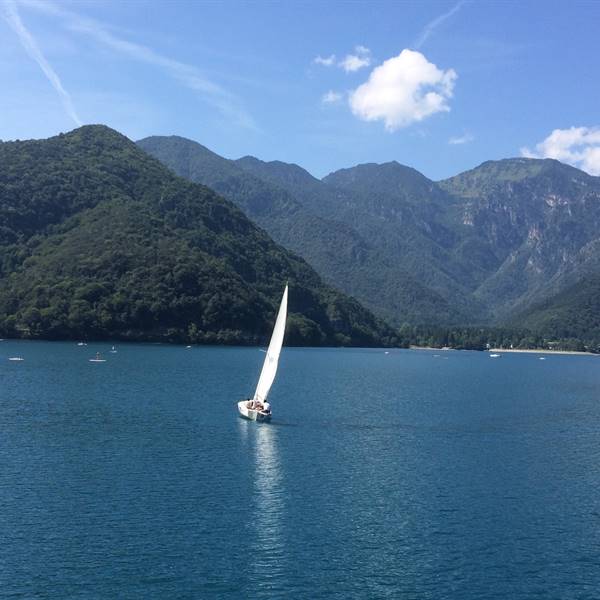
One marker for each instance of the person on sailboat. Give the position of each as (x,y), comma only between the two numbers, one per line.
(266,407)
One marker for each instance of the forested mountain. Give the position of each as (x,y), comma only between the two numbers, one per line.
(572,314)
(346,257)
(100,240)
(476,249)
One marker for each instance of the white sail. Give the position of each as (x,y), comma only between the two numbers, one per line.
(267,375)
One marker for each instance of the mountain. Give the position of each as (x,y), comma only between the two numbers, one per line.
(303,214)
(477,249)
(100,240)
(401,213)
(510,233)
(539,223)
(573,313)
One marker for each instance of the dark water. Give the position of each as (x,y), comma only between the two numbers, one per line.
(400,475)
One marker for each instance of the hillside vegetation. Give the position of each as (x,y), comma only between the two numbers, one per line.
(99,240)
(483,250)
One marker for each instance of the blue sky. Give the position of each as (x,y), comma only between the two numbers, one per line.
(439,86)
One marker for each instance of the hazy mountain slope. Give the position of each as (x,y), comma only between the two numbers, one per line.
(401,213)
(100,240)
(573,313)
(540,219)
(344,256)
(473,249)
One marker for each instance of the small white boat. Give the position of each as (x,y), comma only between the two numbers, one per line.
(81,344)
(494,356)
(113,350)
(98,358)
(16,358)
(542,358)
(257,408)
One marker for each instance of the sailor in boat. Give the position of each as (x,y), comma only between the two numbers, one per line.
(262,407)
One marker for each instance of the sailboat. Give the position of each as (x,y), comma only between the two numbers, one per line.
(257,408)
(97,359)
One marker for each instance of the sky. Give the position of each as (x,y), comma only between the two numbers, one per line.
(439,86)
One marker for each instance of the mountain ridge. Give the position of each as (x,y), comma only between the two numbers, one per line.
(100,240)
(483,245)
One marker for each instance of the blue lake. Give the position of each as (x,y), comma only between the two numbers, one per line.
(412,474)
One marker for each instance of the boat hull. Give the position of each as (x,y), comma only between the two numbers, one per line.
(251,414)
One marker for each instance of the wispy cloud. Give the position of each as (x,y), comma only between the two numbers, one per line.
(435,23)
(353,62)
(577,146)
(350,63)
(461,139)
(331,97)
(10,13)
(188,75)
(325,61)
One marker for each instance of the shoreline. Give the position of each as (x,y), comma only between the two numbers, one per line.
(542,351)
(411,347)
(514,350)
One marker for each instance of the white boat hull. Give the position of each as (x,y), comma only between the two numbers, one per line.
(251,414)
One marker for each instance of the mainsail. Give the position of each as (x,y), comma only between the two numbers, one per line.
(269,369)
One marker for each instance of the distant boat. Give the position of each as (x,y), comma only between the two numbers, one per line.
(542,358)
(81,344)
(257,408)
(494,356)
(98,358)
(16,358)
(187,347)
(113,350)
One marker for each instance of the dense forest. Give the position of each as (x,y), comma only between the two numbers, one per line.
(488,251)
(99,240)
(305,215)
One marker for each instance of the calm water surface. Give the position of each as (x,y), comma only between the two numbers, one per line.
(412,474)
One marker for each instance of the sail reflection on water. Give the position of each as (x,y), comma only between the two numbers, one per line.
(269,506)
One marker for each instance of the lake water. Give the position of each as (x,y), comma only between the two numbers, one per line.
(412,474)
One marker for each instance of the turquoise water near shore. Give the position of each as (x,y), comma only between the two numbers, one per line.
(408,474)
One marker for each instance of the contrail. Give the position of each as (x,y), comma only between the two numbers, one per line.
(432,25)
(212,93)
(8,10)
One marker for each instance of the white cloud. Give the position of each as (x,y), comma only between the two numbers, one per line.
(331,97)
(354,62)
(8,10)
(402,90)
(577,146)
(326,61)
(212,93)
(461,139)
